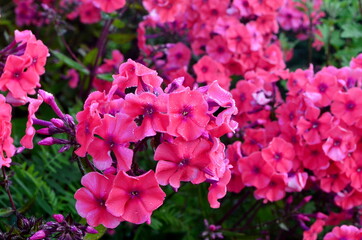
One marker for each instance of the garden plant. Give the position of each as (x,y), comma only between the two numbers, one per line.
(180,119)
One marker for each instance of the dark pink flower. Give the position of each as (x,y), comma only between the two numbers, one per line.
(91,200)
(116,133)
(134,198)
(187,111)
(182,161)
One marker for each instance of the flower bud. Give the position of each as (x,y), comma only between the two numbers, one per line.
(38,235)
(58,217)
(91,230)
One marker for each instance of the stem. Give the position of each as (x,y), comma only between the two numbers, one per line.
(246,214)
(100,46)
(7,188)
(71,52)
(232,210)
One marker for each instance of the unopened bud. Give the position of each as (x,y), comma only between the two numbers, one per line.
(46,141)
(38,235)
(43,131)
(58,217)
(57,122)
(91,230)
(64,148)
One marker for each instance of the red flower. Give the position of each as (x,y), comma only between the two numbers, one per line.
(134,198)
(91,200)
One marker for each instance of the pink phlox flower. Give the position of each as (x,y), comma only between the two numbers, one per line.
(149,111)
(38,53)
(178,56)
(115,135)
(280,154)
(91,200)
(233,154)
(182,161)
(348,106)
(133,74)
(16,78)
(187,112)
(89,13)
(7,149)
(27,140)
(217,98)
(217,190)
(109,6)
(134,198)
(255,171)
(339,143)
(344,232)
(275,190)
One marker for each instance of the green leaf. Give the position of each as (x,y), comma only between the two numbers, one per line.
(122,38)
(90,57)
(101,231)
(105,76)
(71,63)
(4,212)
(351,30)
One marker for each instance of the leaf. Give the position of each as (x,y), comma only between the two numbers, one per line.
(105,76)
(90,57)
(4,212)
(71,63)
(351,30)
(101,231)
(122,38)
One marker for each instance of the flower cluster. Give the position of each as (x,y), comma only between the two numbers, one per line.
(230,38)
(302,17)
(184,125)
(30,12)
(62,228)
(21,64)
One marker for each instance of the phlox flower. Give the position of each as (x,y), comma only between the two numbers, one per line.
(116,133)
(89,13)
(91,200)
(322,89)
(254,140)
(344,232)
(217,190)
(348,199)
(133,74)
(134,198)
(238,38)
(275,190)
(16,78)
(233,154)
(6,141)
(314,230)
(178,56)
(312,127)
(333,179)
(348,106)
(187,112)
(217,49)
(314,158)
(38,53)
(164,10)
(151,112)
(182,161)
(280,154)
(27,140)
(109,6)
(339,143)
(255,171)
